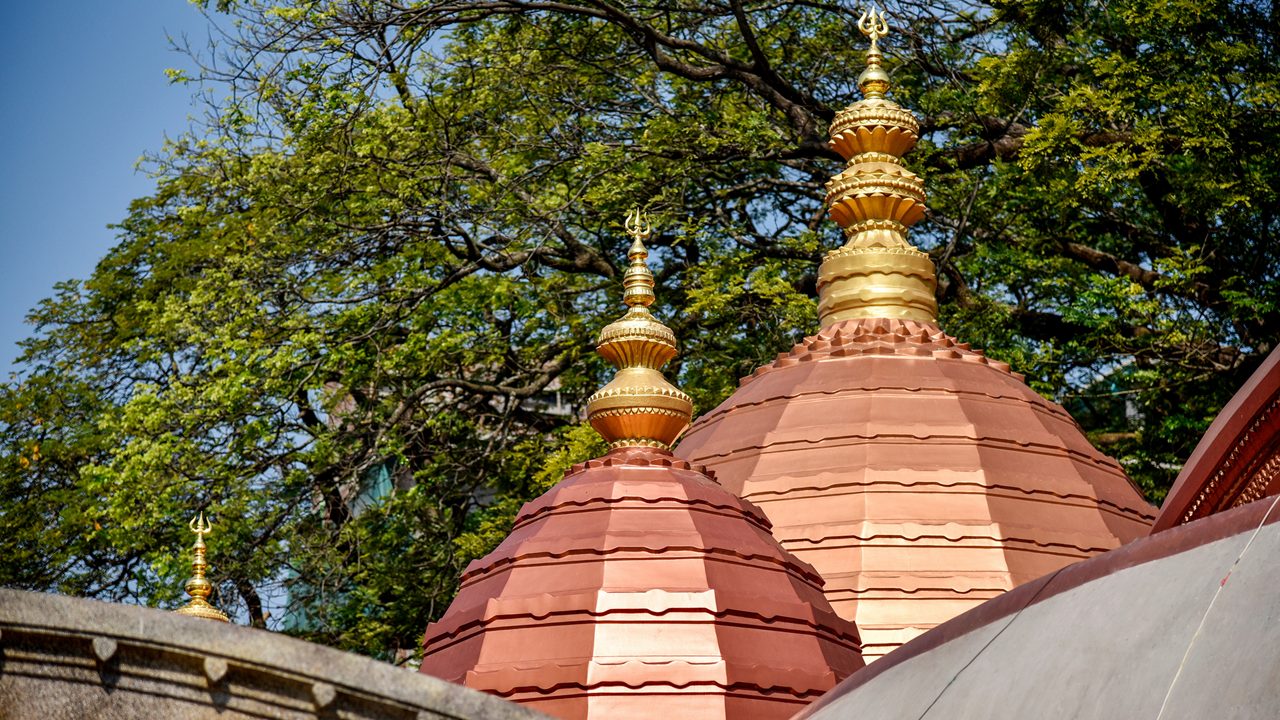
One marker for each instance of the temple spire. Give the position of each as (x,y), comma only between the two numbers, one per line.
(198,587)
(876,273)
(639,407)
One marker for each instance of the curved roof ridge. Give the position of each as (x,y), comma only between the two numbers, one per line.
(793,568)
(1052,409)
(537,609)
(1238,458)
(507,678)
(1099,459)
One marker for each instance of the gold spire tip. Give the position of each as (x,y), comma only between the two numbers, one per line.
(197,586)
(637,226)
(874,81)
(873,25)
(200,527)
(638,407)
(637,282)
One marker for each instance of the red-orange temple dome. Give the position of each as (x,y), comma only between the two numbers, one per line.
(638,587)
(919,477)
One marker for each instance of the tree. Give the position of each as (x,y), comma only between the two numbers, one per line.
(401,228)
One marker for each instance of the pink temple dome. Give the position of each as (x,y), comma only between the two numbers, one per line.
(638,587)
(917,475)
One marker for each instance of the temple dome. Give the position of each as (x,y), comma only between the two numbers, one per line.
(917,475)
(638,587)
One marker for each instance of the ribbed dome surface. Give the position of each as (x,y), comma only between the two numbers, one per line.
(918,476)
(638,587)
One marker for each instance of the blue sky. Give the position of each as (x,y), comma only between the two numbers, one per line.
(85,96)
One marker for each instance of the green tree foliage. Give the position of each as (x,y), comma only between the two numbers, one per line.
(340,324)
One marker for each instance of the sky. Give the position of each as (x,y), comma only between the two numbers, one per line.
(84,96)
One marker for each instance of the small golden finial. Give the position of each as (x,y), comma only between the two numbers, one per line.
(874,81)
(638,408)
(198,587)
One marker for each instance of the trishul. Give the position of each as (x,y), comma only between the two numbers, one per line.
(200,527)
(637,225)
(873,25)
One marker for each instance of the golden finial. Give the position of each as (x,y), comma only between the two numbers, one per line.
(638,407)
(873,25)
(877,273)
(873,81)
(637,225)
(198,587)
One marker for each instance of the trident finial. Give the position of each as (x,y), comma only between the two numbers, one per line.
(637,225)
(198,587)
(200,527)
(873,25)
(873,81)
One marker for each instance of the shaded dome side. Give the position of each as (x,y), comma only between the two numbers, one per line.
(918,476)
(638,587)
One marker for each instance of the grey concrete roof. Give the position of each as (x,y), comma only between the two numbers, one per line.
(63,657)
(1104,638)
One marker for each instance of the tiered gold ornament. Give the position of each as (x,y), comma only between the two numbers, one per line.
(876,273)
(638,407)
(198,587)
